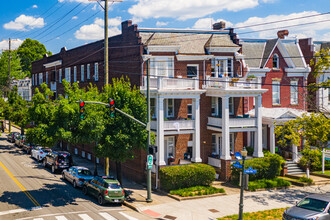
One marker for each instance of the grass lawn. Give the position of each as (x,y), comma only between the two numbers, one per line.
(197,191)
(268,214)
(326,172)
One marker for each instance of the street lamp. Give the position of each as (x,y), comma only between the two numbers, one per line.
(244,154)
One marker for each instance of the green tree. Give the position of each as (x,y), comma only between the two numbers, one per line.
(287,134)
(15,68)
(29,51)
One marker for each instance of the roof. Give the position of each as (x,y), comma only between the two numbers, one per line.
(268,49)
(294,54)
(279,113)
(188,43)
(253,53)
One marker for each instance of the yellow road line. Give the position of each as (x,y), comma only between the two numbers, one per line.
(20,185)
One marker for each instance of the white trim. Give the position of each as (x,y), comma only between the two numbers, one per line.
(223,49)
(55,63)
(193,57)
(174,49)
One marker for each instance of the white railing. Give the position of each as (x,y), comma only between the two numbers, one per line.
(164,83)
(175,125)
(214,162)
(233,83)
(233,122)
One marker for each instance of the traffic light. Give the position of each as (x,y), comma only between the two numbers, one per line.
(82,109)
(152,149)
(112,108)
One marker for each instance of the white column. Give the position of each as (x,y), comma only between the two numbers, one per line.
(225,151)
(294,153)
(196,153)
(272,138)
(248,139)
(258,134)
(160,132)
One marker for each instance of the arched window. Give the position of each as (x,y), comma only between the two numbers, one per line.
(276,61)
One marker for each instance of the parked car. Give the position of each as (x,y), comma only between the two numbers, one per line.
(316,206)
(58,160)
(77,175)
(11,136)
(105,189)
(27,147)
(39,152)
(19,140)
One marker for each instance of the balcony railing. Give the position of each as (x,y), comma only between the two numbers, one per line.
(175,125)
(232,83)
(165,83)
(233,122)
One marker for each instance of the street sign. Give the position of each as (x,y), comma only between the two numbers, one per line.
(150,161)
(250,170)
(237,165)
(238,155)
(327,158)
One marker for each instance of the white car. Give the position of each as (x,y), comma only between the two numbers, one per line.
(39,153)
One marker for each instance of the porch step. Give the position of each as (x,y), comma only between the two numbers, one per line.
(293,168)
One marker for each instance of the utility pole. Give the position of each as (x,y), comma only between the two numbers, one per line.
(148,130)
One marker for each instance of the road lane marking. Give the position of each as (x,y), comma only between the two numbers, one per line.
(127,216)
(61,217)
(107,216)
(20,185)
(85,217)
(38,219)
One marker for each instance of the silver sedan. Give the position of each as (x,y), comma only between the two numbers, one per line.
(77,175)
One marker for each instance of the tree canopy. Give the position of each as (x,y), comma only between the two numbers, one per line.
(15,68)
(29,51)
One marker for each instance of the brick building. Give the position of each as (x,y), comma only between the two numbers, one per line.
(198,93)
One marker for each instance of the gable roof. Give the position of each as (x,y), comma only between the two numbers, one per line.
(294,54)
(253,53)
(270,45)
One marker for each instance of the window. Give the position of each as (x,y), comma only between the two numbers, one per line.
(170,147)
(294,92)
(221,66)
(88,71)
(192,71)
(169,107)
(276,61)
(82,70)
(232,142)
(36,79)
(33,79)
(162,66)
(40,78)
(153,107)
(231,105)
(47,78)
(74,74)
(276,92)
(189,111)
(68,74)
(214,144)
(60,75)
(96,72)
(214,106)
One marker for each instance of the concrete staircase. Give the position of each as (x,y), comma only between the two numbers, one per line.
(293,168)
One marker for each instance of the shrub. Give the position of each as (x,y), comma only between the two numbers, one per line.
(268,167)
(184,176)
(197,191)
(305,180)
(313,160)
(266,183)
(249,151)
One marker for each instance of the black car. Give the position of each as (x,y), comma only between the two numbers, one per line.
(11,136)
(27,147)
(58,160)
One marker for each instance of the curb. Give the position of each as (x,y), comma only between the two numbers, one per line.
(129,205)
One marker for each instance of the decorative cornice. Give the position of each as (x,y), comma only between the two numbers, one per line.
(223,49)
(55,63)
(193,57)
(174,49)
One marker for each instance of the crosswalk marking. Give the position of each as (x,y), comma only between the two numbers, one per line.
(85,217)
(61,217)
(107,216)
(38,219)
(127,216)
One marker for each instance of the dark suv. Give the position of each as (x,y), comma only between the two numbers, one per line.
(58,160)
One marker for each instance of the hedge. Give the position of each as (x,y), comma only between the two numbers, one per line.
(184,176)
(313,158)
(268,167)
(268,183)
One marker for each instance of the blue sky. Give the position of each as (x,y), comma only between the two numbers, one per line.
(71,23)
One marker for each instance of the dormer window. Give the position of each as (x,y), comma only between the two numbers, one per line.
(276,62)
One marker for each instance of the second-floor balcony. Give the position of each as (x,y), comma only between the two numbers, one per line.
(175,125)
(226,83)
(233,122)
(166,83)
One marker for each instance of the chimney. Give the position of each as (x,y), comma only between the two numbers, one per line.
(282,33)
(219,25)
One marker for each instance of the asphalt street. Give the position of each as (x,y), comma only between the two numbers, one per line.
(29,191)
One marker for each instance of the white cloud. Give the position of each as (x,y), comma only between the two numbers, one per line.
(74,17)
(95,31)
(24,23)
(325,37)
(34,6)
(4,45)
(206,23)
(94,8)
(184,9)
(160,23)
(295,27)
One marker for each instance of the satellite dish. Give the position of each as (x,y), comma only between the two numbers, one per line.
(238,155)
